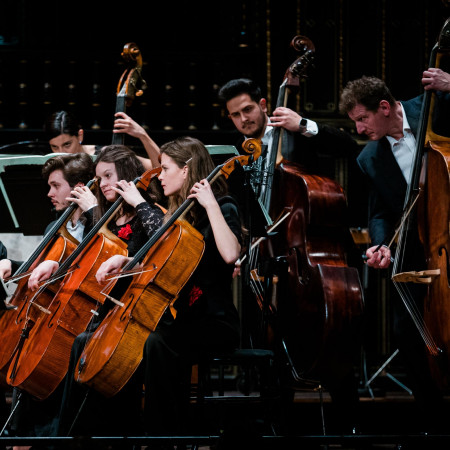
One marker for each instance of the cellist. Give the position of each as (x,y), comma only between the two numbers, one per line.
(386,162)
(64,174)
(138,217)
(204,318)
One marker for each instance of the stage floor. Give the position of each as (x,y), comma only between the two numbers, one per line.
(388,419)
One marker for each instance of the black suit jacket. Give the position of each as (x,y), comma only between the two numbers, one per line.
(387,185)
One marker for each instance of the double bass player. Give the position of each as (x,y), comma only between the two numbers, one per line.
(386,162)
(247,109)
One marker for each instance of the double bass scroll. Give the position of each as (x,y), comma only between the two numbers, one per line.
(131,84)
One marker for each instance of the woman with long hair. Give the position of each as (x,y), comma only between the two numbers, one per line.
(135,221)
(206,319)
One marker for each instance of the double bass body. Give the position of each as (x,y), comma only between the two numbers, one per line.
(319,297)
(319,308)
(436,239)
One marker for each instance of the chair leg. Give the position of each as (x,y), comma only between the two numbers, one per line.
(322,413)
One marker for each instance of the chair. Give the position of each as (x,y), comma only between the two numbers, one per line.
(253,400)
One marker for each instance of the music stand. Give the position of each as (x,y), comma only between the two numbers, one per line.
(254,221)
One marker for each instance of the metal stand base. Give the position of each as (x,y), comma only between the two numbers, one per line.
(381,369)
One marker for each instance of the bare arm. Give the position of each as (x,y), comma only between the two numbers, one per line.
(226,241)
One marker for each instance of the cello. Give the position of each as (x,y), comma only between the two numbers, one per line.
(428,197)
(65,307)
(115,350)
(318,300)
(56,245)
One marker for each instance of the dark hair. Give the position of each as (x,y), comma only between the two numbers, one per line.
(128,168)
(239,86)
(61,122)
(191,152)
(366,91)
(76,168)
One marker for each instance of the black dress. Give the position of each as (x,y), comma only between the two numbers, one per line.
(206,321)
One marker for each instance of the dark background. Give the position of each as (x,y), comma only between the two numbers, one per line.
(67,55)
(60,55)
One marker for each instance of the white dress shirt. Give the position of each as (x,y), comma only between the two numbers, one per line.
(404,149)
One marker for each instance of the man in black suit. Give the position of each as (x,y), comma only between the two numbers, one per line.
(386,161)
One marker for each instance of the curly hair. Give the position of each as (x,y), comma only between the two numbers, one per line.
(76,168)
(366,91)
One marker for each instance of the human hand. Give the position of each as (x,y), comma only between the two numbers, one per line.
(41,273)
(437,79)
(285,118)
(129,192)
(5,268)
(203,193)
(125,124)
(111,266)
(83,197)
(237,269)
(378,258)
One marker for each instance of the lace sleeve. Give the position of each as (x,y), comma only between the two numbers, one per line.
(151,217)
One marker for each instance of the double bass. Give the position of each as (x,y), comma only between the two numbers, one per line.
(318,300)
(428,198)
(169,258)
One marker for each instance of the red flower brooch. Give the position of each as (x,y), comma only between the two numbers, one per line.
(125,232)
(194,295)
